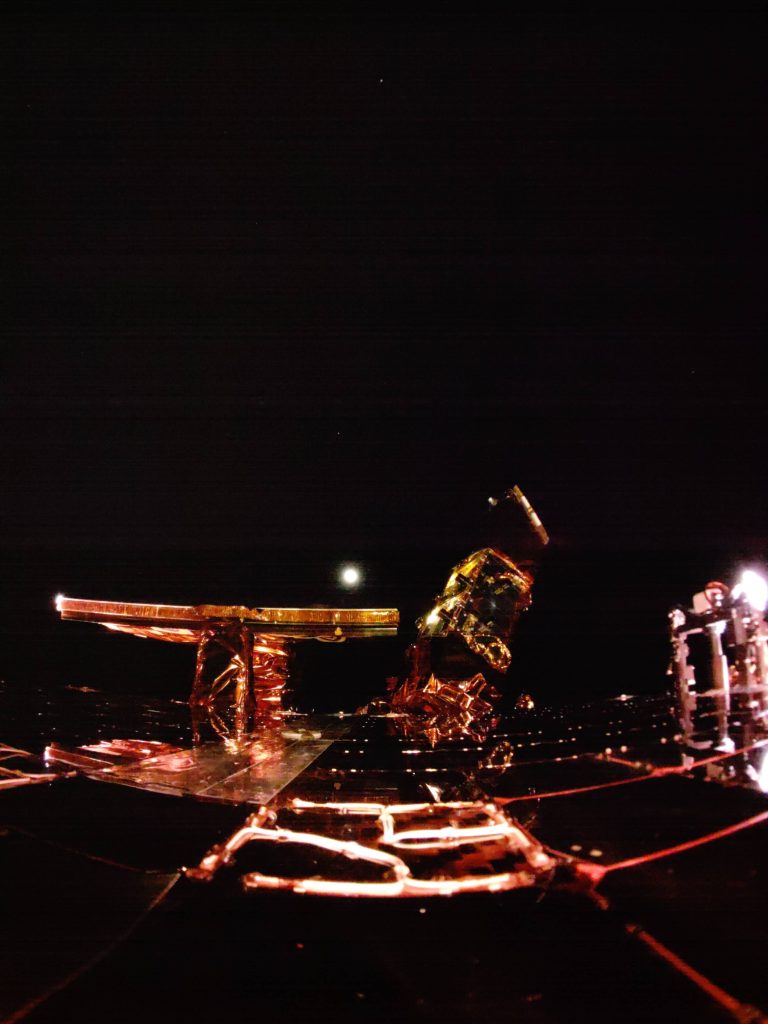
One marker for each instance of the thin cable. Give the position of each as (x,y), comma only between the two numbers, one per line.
(657,773)
(741,1011)
(577,789)
(691,844)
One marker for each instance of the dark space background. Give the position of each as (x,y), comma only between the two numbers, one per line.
(296,285)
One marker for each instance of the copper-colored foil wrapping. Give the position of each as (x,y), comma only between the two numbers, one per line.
(481,603)
(471,623)
(241,650)
(447,707)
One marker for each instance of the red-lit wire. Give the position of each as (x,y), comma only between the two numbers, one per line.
(577,789)
(691,844)
(657,773)
(739,1010)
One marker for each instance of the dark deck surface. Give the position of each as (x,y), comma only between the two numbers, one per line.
(99,922)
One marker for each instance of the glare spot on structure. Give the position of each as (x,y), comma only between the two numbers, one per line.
(754,588)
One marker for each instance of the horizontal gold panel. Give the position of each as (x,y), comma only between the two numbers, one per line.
(196,617)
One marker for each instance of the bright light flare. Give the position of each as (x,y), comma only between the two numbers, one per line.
(58,601)
(350,576)
(754,588)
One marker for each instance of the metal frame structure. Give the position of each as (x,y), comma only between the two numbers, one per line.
(733,711)
(243,649)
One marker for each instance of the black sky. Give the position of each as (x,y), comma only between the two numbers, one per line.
(306,282)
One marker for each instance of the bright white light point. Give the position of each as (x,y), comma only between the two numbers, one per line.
(350,575)
(57,601)
(432,617)
(754,588)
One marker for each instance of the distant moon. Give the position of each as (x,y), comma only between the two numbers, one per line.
(350,575)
